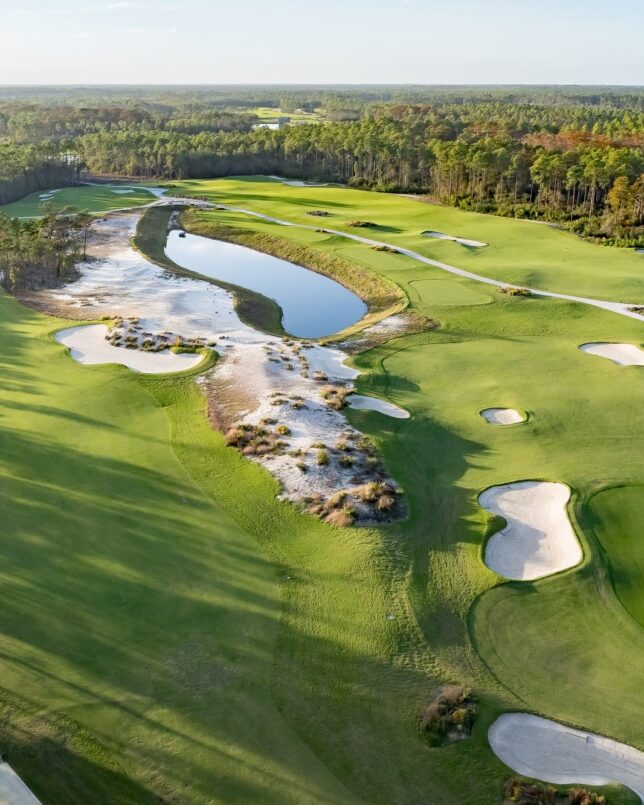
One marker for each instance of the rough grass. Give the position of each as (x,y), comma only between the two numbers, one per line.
(95,198)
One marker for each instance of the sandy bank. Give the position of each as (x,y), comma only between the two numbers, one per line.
(538,539)
(546,750)
(297,182)
(12,790)
(502,416)
(292,392)
(621,354)
(87,345)
(363,403)
(463,241)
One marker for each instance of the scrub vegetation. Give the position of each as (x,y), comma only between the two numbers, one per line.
(208,641)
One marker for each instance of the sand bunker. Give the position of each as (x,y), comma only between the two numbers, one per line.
(297,182)
(292,391)
(621,354)
(122,191)
(538,539)
(363,403)
(546,750)
(502,416)
(463,241)
(12,790)
(87,345)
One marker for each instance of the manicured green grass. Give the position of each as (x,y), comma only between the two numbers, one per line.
(95,198)
(199,639)
(560,644)
(519,252)
(616,518)
(221,646)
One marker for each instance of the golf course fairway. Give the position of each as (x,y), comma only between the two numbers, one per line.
(170,629)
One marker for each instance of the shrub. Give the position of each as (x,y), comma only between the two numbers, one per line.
(385,502)
(319,213)
(361,224)
(384,248)
(283,430)
(581,796)
(322,458)
(506,289)
(520,792)
(336,500)
(341,517)
(450,715)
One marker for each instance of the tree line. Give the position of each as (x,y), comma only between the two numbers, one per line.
(569,155)
(26,169)
(523,163)
(43,252)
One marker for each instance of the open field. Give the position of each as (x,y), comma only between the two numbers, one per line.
(269,113)
(94,198)
(205,642)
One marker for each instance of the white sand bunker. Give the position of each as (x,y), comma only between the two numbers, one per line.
(538,539)
(502,416)
(122,192)
(12,790)
(87,345)
(363,403)
(621,354)
(546,750)
(297,182)
(430,233)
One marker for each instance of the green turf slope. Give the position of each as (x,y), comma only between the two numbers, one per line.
(94,198)
(170,629)
(616,518)
(519,252)
(132,605)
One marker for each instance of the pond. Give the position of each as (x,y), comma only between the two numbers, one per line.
(313,306)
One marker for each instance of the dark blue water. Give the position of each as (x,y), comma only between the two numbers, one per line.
(313,305)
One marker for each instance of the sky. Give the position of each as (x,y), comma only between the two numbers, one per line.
(321,42)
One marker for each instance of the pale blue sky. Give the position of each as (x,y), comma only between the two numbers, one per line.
(321,41)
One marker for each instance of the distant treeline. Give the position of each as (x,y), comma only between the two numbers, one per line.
(569,155)
(26,169)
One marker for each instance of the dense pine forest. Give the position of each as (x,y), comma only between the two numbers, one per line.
(574,156)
